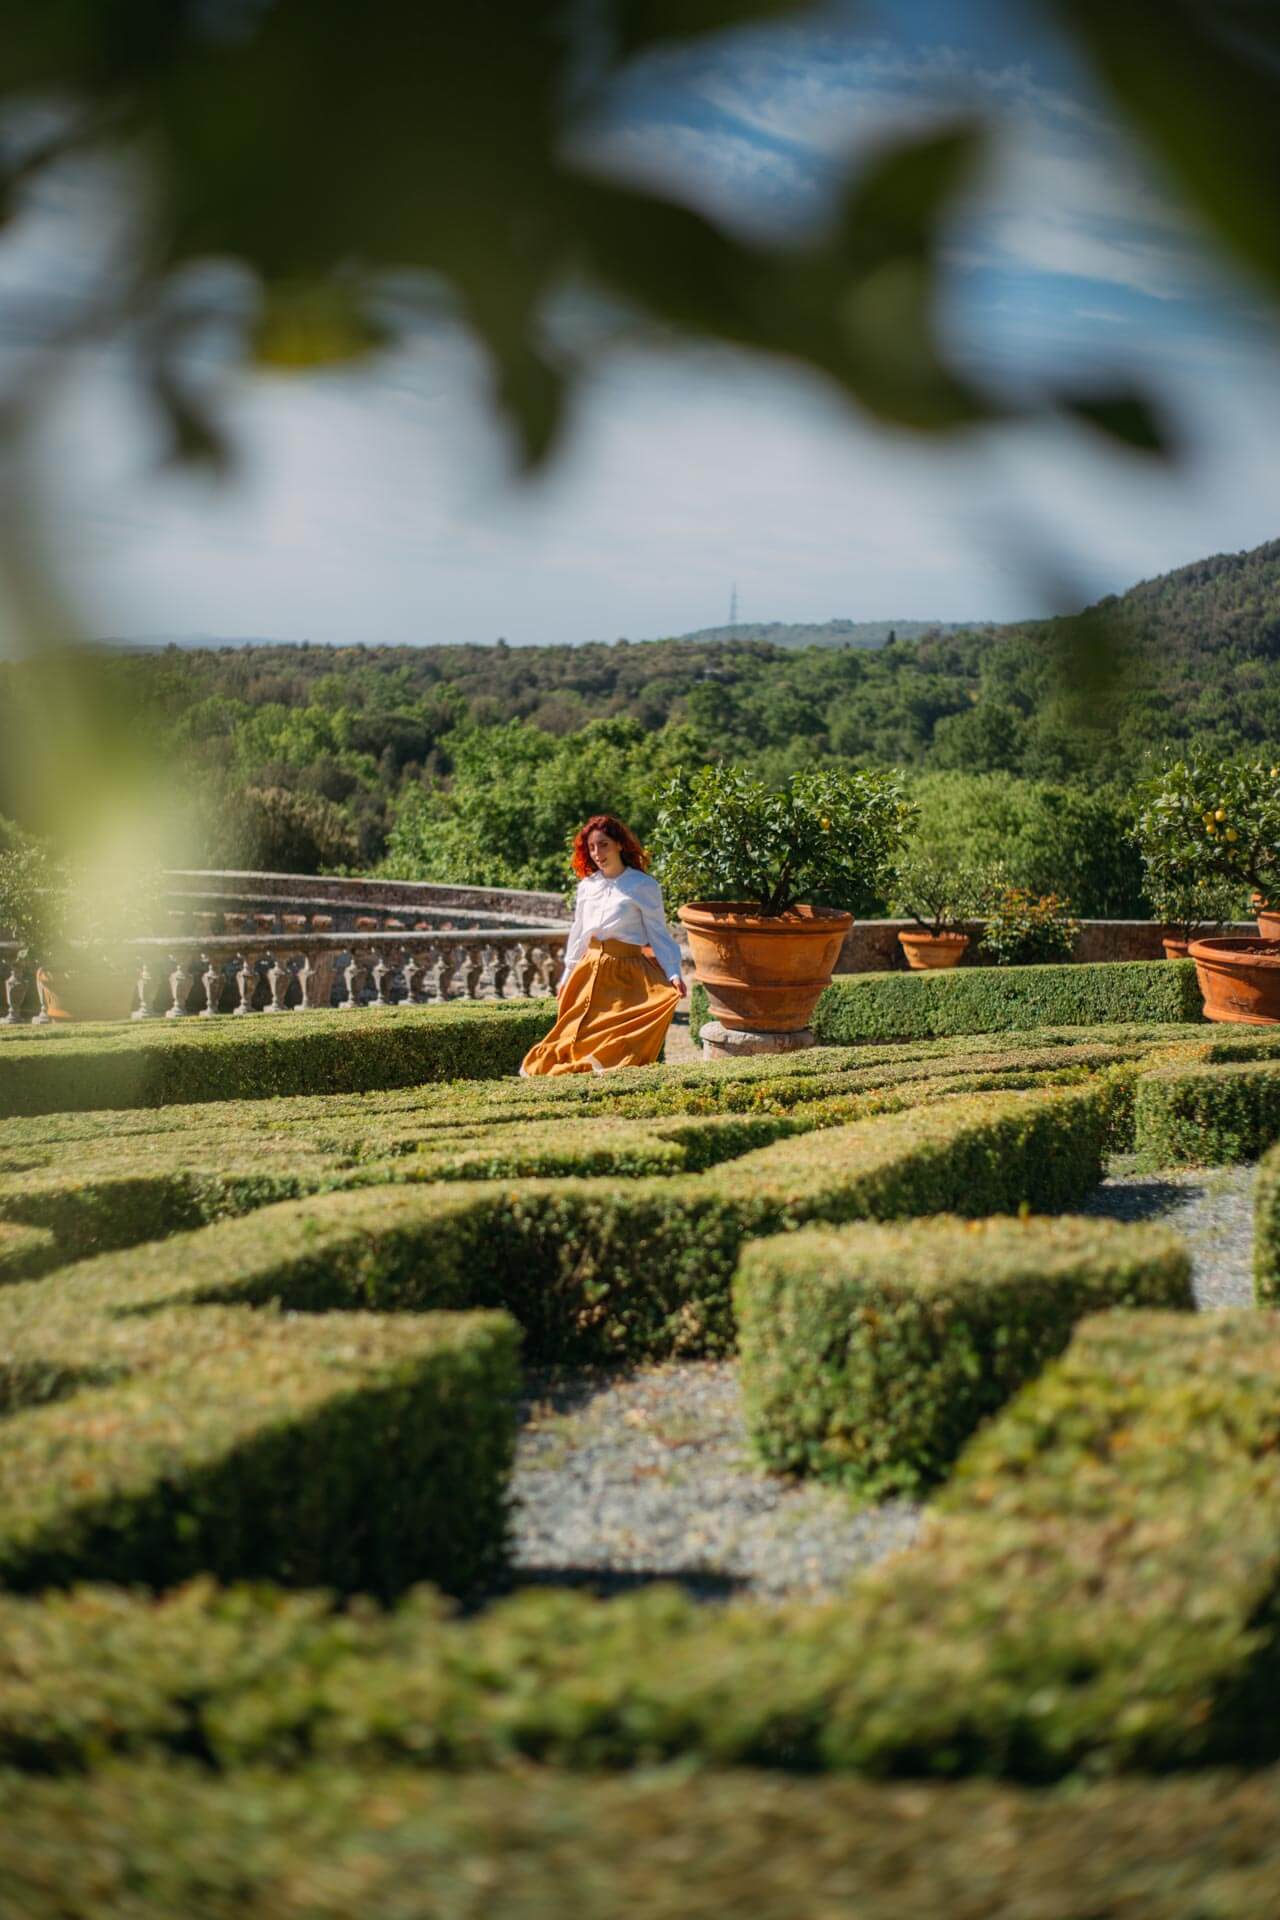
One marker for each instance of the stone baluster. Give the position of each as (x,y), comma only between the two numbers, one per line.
(448,968)
(143,1010)
(179,987)
(524,971)
(307,982)
(474,972)
(381,975)
(15,992)
(354,975)
(502,971)
(247,981)
(42,1017)
(548,965)
(278,980)
(412,973)
(211,981)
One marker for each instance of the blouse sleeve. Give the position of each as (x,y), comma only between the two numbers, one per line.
(577,937)
(649,900)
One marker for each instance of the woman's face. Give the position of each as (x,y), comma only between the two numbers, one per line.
(605,851)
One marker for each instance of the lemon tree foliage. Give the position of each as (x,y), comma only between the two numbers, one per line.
(1210,831)
(827,838)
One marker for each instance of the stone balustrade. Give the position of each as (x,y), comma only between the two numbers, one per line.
(264,973)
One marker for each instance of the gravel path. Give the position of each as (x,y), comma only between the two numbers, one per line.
(1211,1207)
(625,1479)
(622,1480)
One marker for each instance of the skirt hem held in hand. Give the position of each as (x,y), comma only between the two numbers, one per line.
(615,1009)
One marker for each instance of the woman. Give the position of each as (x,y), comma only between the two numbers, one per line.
(615,1001)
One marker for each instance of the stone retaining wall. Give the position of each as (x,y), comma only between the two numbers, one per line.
(871,946)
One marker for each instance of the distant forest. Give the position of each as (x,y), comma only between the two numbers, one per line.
(466,762)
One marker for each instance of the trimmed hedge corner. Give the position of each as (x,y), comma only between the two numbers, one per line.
(180,1061)
(1207,1115)
(348,1451)
(911,1006)
(869,1355)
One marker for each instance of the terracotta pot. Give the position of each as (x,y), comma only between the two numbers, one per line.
(927,951)
(1268,923)
(1240,980)
(1175,949)
(763,974)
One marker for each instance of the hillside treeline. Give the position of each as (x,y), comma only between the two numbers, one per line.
(472,763)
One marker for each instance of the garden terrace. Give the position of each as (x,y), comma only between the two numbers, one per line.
(270,1291)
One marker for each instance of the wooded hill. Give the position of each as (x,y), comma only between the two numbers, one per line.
(337,743)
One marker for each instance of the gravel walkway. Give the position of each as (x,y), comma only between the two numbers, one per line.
(625,1479)
(621,1480)
(1211,1207)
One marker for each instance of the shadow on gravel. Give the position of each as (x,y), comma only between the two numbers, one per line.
(1138,1199)
(607,1586)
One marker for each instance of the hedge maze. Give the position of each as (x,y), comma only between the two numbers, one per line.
(262,1325)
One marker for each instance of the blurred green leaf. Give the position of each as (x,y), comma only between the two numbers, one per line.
(640,24)
(1193,81)
(1125,416)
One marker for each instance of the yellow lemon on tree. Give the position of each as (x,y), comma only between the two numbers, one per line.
(1207,818)
(1232,834)
(1221,814)
(1274,772)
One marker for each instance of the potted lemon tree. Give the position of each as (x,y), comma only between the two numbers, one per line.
(1216,823)
(940,897)
(767,880)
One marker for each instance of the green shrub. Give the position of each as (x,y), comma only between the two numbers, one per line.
(1207,1115)
(139,1843)
(907,1006)
(349,1451)
(179,1061)
(869,1355)
(1266,1231)
(25,1249)
(1025,929)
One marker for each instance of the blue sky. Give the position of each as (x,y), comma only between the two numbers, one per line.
(379,507)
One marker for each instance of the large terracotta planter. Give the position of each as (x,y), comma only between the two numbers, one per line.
(763,974)
(1268,923)
(927,951)
(1175,949)
(1240,980)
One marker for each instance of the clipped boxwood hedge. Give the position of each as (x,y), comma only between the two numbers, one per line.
(1266,1231)
(905,1006)
(591,1269)
(1207,1115)
(346,1451)
(1101,1591)
(140,1843)
(151,1065)
(870,1354)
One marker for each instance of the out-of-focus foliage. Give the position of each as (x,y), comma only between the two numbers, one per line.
(321,150)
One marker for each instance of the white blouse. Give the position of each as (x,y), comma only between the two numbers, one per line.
(628,908)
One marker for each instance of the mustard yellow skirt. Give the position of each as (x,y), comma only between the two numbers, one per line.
(615,1009)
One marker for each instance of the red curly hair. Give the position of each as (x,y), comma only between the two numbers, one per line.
(633,854)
